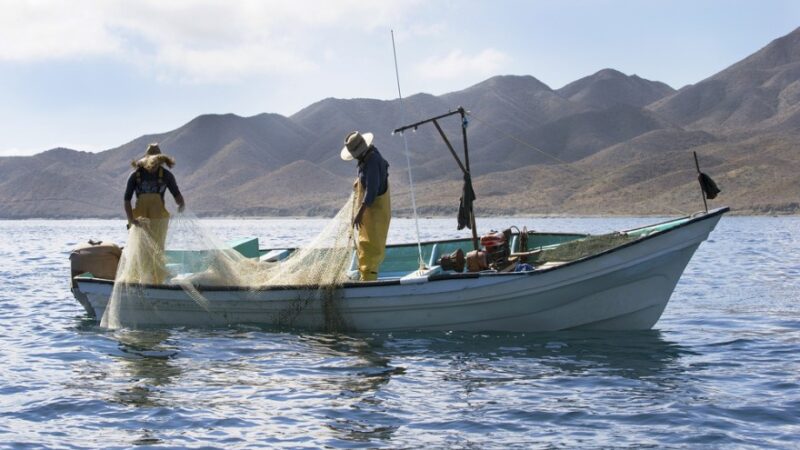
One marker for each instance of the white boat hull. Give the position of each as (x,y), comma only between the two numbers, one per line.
(623,289)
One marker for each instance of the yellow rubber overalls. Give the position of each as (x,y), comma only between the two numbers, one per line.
(151,207)
(371,244)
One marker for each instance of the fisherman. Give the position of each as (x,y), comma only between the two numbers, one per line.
(150,180)
(372,200)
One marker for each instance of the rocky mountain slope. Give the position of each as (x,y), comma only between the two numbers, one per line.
(759,93)
(608,143)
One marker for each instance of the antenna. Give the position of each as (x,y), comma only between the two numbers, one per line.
(408,158)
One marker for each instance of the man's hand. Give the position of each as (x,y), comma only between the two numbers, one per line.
(181,203)
(135,223)
(359,216)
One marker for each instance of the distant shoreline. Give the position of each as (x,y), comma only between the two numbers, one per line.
(424,217)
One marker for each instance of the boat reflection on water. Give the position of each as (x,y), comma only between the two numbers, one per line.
(356,371)
(146,361)
(352,389)
(635,355)
(516,356)
(141,377)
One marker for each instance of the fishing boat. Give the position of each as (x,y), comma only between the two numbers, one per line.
(514,281)
(622,288)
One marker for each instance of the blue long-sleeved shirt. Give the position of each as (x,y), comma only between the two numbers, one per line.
(149,183)
(373,173)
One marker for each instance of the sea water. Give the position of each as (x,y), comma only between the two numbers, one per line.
(721,369)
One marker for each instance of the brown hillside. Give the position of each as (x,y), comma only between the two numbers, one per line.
(587,148)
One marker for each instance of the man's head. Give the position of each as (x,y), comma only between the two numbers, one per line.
(153,158)
(356,145)
(152,149)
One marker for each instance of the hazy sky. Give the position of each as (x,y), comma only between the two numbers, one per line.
(95,74)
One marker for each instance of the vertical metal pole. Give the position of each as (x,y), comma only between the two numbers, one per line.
(408,158)
(464,134)
(702,192)
(466,163)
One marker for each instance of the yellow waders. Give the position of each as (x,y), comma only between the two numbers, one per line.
(151,207)
(372,234)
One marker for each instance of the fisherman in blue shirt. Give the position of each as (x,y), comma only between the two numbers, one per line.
(372,200)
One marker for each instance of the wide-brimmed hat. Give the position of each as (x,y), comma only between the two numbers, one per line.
(355,145)
(153,158)
(152,149)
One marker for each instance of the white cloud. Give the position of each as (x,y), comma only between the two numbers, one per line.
(199,41)
(222,65)
(456,64)
(31,31)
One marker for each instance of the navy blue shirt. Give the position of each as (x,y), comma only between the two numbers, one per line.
(144,182)
(373,173)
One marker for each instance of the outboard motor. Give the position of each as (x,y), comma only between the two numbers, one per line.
(496,246)
(494,254)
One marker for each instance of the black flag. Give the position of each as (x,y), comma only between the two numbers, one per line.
(708,186)
(465,208)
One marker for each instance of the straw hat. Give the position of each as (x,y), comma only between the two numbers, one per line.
(355,145)
(153,158)
(152,149)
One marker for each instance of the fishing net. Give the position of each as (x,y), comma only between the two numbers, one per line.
(582,248)
(142,263)
(195,259)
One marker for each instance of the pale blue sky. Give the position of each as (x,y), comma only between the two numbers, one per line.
(94,74)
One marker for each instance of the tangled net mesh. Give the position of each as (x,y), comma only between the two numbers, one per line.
(582,248)
(196,259)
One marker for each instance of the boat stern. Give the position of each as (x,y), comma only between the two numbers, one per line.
(83,299)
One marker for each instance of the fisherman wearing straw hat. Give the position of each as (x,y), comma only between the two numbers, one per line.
(372,200)
(149,181)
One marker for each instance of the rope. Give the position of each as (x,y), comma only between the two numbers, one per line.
(408,158)
(568,167)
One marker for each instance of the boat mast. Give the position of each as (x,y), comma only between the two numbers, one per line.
(408,158)
(464,123)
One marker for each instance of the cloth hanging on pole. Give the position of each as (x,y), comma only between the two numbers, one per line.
(708,186)
(465,207)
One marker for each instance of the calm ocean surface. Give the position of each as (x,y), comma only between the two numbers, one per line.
(721,369)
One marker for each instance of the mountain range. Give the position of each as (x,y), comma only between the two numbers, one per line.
(608,143)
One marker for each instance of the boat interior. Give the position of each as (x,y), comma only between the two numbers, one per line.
(534,251)
(516,252)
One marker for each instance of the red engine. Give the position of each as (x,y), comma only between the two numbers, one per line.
(496,246)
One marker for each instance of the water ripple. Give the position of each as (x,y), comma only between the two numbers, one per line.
(719,371)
